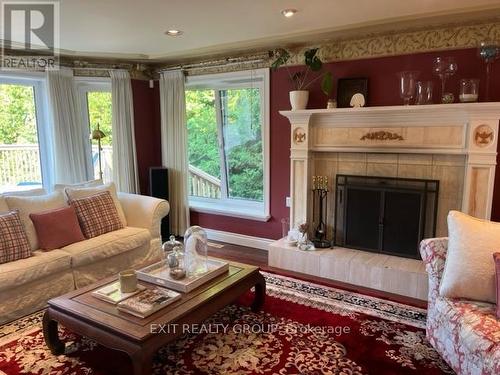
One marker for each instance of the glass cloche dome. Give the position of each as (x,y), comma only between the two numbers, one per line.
(195,253)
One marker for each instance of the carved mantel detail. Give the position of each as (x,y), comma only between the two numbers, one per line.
(382,135)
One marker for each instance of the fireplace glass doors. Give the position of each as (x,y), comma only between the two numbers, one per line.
(384,215)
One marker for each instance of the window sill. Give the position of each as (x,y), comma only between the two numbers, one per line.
(239,209)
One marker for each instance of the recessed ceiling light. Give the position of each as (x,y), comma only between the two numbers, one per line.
(288,12)
(174,32)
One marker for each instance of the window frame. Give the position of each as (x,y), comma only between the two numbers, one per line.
(85,85)
(38,82)
(240,208)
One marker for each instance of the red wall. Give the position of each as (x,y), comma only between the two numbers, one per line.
(382,90)
(147,129)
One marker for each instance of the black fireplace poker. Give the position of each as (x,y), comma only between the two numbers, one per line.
(320,195)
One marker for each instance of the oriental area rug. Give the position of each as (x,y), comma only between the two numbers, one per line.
(304,328)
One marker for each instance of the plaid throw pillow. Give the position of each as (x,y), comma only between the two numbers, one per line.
(14,243)
(97,214)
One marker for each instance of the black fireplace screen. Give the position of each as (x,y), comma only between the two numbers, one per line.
(383,214)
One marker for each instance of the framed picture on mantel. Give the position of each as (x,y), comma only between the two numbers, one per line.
(347,87)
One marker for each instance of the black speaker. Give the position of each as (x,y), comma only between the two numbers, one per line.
(158,188)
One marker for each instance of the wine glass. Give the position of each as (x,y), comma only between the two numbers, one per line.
(407,85)
(489,52)
(444,67)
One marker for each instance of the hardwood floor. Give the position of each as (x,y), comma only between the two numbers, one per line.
(259,258)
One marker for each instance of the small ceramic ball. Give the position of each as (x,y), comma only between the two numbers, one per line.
(177,273)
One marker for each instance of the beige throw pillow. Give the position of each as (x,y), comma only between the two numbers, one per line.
(29,205)
(20,193)
(469,271)
(73,194)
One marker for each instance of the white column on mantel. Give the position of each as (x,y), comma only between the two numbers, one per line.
(300,170)
(469,129)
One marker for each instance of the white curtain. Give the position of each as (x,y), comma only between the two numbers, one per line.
(174,147)
(125,173)
(72,154)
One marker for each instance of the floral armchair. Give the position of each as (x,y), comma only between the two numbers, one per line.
(465,333)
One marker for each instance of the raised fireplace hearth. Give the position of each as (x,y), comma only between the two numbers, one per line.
(386,215)
(454,144)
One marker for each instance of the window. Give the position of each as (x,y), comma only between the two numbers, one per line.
(227,120)
(22,133)
(96,104)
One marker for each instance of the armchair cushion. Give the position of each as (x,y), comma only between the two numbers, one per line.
(473,324)
(469,271)
(496,257)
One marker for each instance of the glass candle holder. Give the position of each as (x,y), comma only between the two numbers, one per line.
(424,92)
(469,90)
(407,81)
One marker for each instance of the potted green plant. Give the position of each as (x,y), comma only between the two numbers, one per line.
(302,79)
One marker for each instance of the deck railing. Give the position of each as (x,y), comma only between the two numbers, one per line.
(201,184)
(20,165)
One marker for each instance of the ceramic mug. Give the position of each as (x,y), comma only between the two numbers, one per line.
(128,281)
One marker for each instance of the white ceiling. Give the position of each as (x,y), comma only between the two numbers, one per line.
(135,29)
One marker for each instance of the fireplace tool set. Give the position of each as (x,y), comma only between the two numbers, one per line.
(320,211)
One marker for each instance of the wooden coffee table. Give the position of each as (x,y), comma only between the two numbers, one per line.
(86,315)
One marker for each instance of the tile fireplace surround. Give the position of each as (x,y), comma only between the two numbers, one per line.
(453,143)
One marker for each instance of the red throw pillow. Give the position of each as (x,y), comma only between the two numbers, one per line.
(57,228)
(496,257)
(14,242)
(97,214)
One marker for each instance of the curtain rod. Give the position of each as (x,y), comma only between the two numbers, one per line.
(208,65)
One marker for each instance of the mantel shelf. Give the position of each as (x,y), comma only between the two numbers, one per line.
(457,112)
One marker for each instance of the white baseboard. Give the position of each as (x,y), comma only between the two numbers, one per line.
(238,239)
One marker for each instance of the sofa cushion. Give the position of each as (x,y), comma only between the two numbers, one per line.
(469,271)
(39,265)
(107,245)
(73,193)
(14,243)
(472,325)
(33,204)
(57,228)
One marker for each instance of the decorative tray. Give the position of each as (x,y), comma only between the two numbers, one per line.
(158,273)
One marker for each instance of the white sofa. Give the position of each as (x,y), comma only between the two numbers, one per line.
(27,284)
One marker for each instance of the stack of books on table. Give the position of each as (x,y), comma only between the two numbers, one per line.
(141,303)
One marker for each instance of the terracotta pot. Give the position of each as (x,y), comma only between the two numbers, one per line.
(298,99)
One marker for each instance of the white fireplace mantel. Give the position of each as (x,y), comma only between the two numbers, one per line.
(468,129)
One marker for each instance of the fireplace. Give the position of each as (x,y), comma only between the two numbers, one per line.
(383,214)
(455,144)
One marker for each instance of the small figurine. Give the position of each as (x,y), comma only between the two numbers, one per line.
(358,100)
